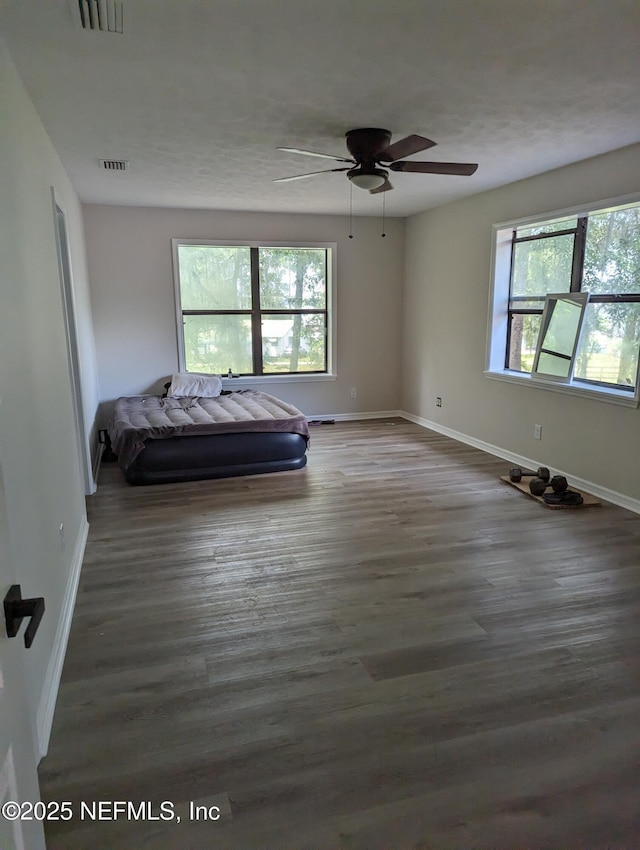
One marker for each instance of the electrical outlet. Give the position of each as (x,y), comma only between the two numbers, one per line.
(438,401)
(537,432)
(354,392)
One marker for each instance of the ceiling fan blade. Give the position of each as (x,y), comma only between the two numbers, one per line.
(465,169)
(405,147)
(386,186)
(314,153)
(309,174)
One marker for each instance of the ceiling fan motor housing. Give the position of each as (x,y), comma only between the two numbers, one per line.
(366,144)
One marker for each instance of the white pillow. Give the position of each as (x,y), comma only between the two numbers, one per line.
(186,384)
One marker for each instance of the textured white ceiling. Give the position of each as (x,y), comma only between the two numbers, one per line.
(198,94)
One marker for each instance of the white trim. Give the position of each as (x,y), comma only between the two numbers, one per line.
(331,293)
(250,380)
(612,496)
(67,297)
(175,243)
(46,708)
(611,396)
(498,304)
(97,463)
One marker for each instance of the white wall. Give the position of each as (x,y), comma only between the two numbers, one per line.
(132,293)
(40,458)
(447,279)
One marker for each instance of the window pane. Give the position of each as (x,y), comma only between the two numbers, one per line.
(522,341)
(216,344)
(293,343)
(549,364)
(612,253)
(562,327)
(292,278)
(542,266)
(528,303)
(547,227)
(610,344)
(215,277)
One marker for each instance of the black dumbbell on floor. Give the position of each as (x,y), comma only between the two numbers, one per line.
(516,474)
(538,485)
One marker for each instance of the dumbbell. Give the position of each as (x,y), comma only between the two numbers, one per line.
(558,484)
(516,474)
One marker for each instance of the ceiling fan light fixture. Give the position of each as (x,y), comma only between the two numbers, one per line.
(371,179)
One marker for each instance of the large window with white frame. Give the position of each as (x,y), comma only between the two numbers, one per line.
(593,252)
(254,309)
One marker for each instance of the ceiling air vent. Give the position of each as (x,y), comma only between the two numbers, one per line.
(105,15)
(114,164)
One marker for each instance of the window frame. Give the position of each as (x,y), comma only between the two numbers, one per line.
(578,298)
(255,312)
(500,303)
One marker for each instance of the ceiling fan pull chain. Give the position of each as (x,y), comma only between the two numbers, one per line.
(350,210)
(384,200)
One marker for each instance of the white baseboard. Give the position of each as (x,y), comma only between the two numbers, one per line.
(44,719)
(604,493)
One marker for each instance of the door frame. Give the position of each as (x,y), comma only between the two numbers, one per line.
(71,332)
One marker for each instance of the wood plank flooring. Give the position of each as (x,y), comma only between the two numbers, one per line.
(388,650)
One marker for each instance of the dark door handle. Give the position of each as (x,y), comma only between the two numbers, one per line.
(16,609)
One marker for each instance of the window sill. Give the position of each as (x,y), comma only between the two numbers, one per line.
(258,380)
(610,396)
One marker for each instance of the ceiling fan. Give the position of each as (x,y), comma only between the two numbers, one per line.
(370,148)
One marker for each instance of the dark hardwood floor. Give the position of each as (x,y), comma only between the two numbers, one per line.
(390,649)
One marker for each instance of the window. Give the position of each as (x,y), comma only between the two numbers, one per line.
(253,309)
(558,336)
(592,253)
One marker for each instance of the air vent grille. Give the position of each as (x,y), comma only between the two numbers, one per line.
(105,15)
(114,164)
